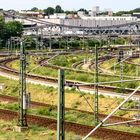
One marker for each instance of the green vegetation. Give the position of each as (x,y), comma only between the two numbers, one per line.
(69,60)
(71,75)
(120,13)
(33,133)
(51,10)
(74,99)
(9,29)
(70,116)
(128,69)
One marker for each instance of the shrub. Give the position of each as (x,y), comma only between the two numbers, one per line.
(12,106)
(44,111)
(101,96)
(75,105)
(121,113)
(71,117)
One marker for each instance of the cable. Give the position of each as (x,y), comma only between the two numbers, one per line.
(110,105)
(85,99)
(39,65)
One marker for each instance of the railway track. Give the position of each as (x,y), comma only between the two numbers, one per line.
(52,80)
(83,130)
(35,104)
(101,133)
(128,61)
(100,61)
(45,62)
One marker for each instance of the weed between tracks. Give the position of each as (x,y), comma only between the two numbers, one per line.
(73,98)
(129,70)
(69,60)
(70,116)
(71,75)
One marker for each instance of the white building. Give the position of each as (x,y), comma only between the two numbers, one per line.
(136,15)
(96,9)
(57,16)
(94,21)
(81,14)
(111,18)
(92,13)
(31,14)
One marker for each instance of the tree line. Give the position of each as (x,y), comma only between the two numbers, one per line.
(9,29)
(58,9)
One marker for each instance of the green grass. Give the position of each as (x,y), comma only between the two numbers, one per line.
(68,60)
(128,69)
(135,60)
(73,97)
(71,75)
(107,64)
(33,133)
(48,95)
(70,116)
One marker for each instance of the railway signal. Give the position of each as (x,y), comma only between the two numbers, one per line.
(121,55)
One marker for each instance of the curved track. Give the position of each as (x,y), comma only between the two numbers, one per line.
(52,80)
(77,65)
(82,129)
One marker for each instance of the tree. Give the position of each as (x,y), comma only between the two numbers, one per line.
(136,10)
(30,43)
(120,41)
(35,9)
(93,42)
(84,10)
(58,9)
(49,11)
(9,29)
(70,12)
(2,27)
(13,29)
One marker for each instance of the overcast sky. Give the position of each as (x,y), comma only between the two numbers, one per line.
(70,4)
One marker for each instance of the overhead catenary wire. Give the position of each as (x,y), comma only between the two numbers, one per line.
(39,65)
(118,107)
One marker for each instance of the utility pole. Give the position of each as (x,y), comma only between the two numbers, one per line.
(61,106)
(96,119)
(22,120)
(11,45)
(8,47)
(83,40)
(121,56)
(50,40)
(37,40)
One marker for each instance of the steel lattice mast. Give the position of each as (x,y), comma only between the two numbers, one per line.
(96,119)
(61,106)
(22,120)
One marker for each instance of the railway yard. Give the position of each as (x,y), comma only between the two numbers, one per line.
(117,79)
(69,75)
